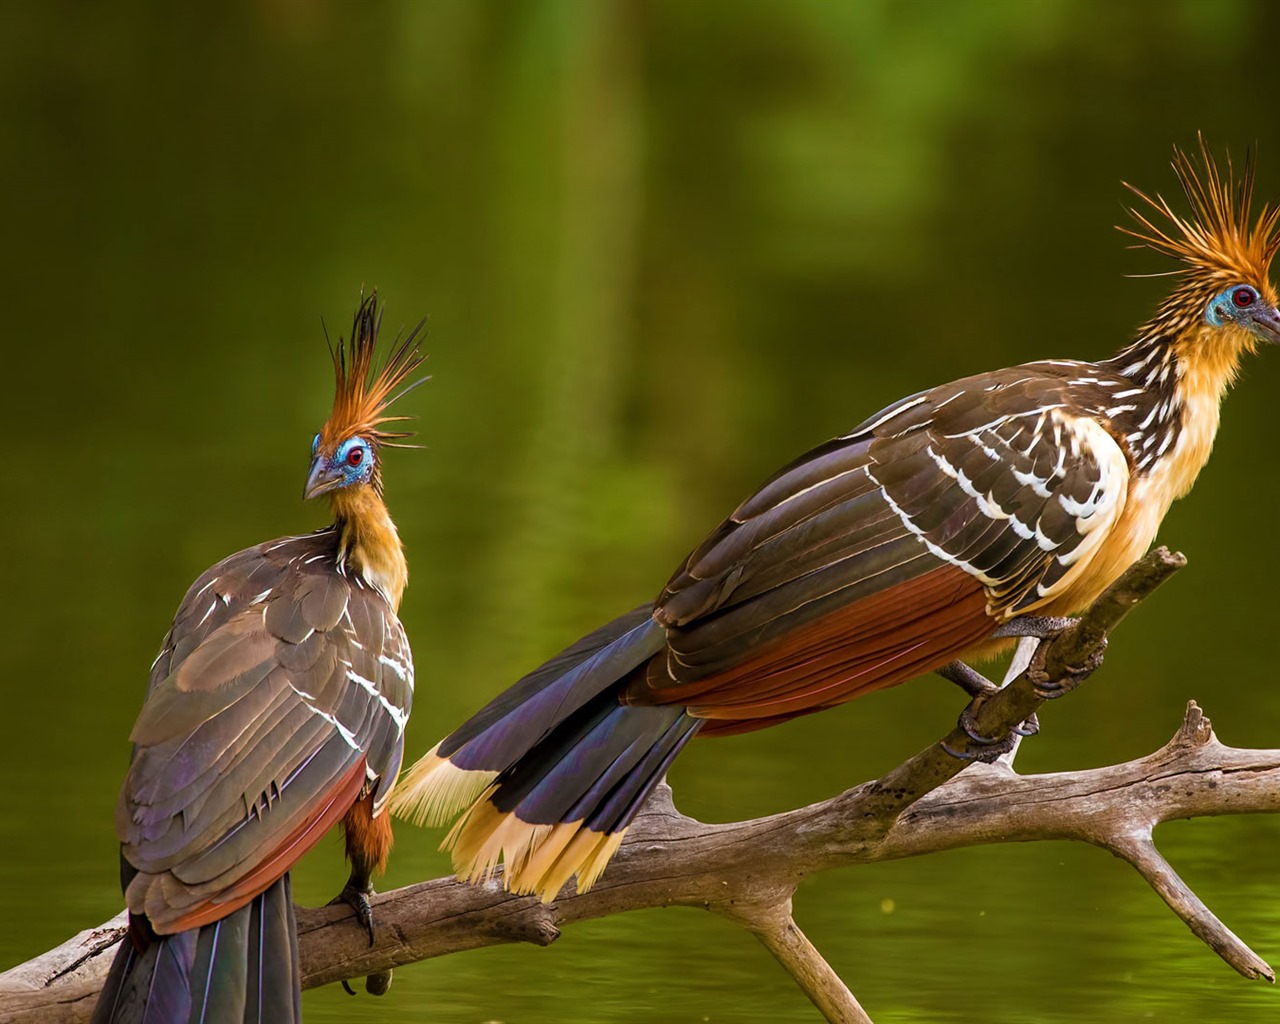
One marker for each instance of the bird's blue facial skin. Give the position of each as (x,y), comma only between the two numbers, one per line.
(1235,305)
(354,458)
(350,465)
(1242,305)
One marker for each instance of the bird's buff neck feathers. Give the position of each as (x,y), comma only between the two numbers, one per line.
(1208,363)
(369,542)
(1186,372)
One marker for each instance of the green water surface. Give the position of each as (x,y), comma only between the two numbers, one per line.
(664,247)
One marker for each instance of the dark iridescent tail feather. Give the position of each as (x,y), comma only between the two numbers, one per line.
(242,968)
(551,772)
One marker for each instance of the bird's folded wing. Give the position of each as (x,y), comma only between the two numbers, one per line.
(280,695)
(892,547)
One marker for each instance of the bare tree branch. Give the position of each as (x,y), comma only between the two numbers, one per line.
(777,930)
(747,871)
(1139,850)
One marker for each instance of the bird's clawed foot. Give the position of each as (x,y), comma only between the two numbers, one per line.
(1042,628)
(980,689)
(374,984)
(355,894)
(1073,676)
(988,749)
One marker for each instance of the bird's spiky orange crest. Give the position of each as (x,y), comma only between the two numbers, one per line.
(363,390)
(1218,240)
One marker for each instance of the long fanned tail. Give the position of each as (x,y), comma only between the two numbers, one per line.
(243,967)
(551,772)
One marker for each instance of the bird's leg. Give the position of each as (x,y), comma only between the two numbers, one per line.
(969,679)
(367,840)
(980,688)
(1042,627)
(1045,628)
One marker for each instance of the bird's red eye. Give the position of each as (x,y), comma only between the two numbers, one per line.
(355,456)
(1244,297)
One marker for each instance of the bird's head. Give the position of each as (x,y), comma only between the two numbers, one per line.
(346,454)
(1224,303)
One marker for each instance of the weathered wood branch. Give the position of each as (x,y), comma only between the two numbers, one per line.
(748,870)
(778,932)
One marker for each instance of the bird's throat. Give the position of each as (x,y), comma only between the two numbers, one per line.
(1207,367)
(369,542)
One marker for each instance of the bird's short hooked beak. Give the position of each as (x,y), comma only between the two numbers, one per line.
(322,479)
(1266,325)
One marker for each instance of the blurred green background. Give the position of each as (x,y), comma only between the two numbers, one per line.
(664,246)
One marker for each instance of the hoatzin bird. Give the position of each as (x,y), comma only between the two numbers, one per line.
(275,709)
(977,509)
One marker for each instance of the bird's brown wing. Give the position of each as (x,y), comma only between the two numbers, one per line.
(888,551)
(281,693)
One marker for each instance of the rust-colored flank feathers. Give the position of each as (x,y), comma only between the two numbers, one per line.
(1218,238)
(364,391)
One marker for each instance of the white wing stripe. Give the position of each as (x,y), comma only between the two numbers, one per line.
(396,666)
(397,716)
(885,418)
(933,548)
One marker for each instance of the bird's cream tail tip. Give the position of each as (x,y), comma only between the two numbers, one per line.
(435,789)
